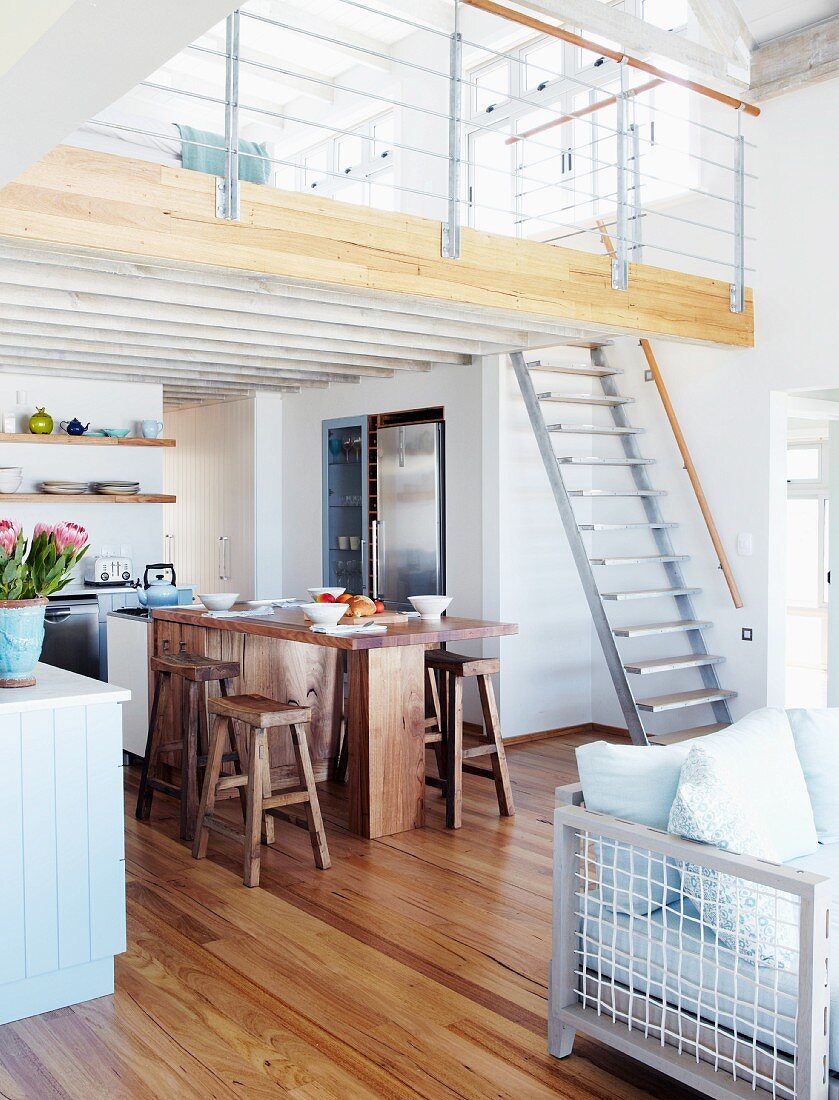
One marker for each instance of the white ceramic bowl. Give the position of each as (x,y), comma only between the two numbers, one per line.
(430,607)
(336,592)
(324,614)
(218,601)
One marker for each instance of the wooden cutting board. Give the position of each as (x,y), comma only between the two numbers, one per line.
(385,618)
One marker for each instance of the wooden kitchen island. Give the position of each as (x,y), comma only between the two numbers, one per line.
(280,657)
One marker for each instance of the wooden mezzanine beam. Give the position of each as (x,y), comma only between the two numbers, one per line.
(75,197)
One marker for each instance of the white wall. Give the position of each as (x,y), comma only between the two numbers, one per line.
(112,405)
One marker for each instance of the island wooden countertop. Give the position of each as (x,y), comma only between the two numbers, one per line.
(291,626)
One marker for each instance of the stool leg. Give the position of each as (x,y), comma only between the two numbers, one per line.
(500,773)
(434,720)
(343,753)
(158,707)
(267,830)
(253,822)
(317,833)
(454,752)
(208,791)
(189,762)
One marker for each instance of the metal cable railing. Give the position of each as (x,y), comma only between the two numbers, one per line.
(549,149)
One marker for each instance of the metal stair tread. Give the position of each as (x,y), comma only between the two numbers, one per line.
(679,699)
(672,664)
(583,398)
(574,369)
(648,593)
(640,560)
(595,460)
(604,493)
(626,526)
(593,429)
(673,627)
(686,735)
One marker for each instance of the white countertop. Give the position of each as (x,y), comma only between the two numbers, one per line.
(56,687)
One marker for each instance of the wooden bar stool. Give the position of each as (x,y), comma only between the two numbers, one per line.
(449,735)
(196,672)
(259,715)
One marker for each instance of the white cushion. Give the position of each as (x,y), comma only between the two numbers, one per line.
(709,807)
(816,734)
(757,761)
(635,783)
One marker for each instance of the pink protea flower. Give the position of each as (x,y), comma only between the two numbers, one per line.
(9,534)
(70,537)
(43,529)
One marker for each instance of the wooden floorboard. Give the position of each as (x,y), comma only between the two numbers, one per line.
(415,967)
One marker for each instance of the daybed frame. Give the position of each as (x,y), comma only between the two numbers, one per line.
(635,1028)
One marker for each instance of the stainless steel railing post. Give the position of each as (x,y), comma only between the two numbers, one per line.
(451,227)
(738,286)
(227,186)
(620,262)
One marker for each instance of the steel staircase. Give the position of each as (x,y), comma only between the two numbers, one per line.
(637,706)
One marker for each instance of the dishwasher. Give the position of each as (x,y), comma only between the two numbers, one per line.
(71,634)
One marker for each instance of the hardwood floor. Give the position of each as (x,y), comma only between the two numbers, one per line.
(415,967)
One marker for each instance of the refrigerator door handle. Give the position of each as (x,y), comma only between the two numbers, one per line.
(402,448)
(374,555)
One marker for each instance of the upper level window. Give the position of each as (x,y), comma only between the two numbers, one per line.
(804,462)
(356,167)
(562,175)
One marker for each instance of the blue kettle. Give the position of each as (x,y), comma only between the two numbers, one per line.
(158,591)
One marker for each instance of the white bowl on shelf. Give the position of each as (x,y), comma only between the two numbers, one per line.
(336,592)
(218,601)
(324,614)
(10,485)
(430,607)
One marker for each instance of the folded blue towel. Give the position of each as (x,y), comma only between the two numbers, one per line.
(211,155)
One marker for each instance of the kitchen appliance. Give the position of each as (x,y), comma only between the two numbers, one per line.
(71,634)
(408,533)
(108,571)
(159,589)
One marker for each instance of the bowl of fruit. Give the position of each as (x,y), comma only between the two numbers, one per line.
(326,595)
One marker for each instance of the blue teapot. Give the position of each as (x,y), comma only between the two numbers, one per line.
(158,591)
(74,427)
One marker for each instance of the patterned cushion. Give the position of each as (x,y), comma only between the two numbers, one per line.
(757,925)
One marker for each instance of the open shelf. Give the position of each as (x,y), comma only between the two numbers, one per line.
(86,498)
(85,440)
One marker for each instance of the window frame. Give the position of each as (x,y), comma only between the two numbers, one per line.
(364,172)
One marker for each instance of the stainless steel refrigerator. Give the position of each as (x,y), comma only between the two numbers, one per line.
(408,534)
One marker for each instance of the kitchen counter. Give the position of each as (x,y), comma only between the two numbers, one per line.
(61,859)
(281,658)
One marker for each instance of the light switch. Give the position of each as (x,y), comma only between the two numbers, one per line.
(744,544)
(20,397)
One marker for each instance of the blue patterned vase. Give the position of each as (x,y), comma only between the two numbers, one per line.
(21,640)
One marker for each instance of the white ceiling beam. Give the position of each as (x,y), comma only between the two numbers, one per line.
(285,350)
(431,13)
(726,28)
(360,48)
(67,357)
(283,297)
(12,365)
(637,37)
(243,338)
(803,57)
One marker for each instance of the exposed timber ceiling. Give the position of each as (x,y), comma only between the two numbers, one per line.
(207,333)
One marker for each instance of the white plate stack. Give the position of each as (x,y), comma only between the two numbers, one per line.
(10,478)
(116,488)
(64,488)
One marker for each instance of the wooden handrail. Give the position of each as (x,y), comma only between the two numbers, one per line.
(609,101)
(615,55)
(692,474)
(605,239)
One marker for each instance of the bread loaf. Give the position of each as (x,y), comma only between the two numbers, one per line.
(360,607)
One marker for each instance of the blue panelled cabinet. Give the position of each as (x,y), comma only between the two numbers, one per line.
(62,857)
